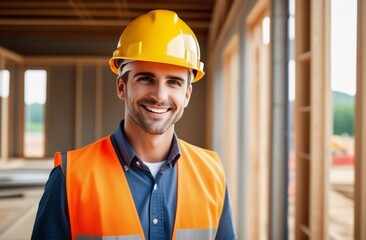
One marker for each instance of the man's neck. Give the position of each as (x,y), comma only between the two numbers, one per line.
(149,147)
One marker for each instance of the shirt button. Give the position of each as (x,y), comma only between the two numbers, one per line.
(138,163)
(126,168)
(155,187)
(155,221)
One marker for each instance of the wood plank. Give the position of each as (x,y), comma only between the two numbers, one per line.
(360,126)
(183,5)
(305,56)
(86,22)
(7,54)
(94,13)
(321,118)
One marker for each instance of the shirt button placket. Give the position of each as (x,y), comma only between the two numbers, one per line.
(155,220)
(156,210)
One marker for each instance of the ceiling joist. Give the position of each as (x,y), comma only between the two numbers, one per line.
(80,18)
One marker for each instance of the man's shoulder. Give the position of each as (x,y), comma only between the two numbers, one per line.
(62,158)
(90,152)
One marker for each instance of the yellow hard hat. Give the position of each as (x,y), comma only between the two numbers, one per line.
(159,36)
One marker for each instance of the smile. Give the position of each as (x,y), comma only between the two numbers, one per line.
(156,110)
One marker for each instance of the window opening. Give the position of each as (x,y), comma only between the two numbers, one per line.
(291,99)
(35,82)
(343,83)
(4,83)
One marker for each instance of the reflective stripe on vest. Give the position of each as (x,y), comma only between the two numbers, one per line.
(86,237)
(196,234)
(182,234)
(101,205)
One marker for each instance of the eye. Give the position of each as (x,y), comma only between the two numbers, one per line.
(175,82)
(145,79)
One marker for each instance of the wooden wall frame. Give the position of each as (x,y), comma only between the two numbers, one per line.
(313,118)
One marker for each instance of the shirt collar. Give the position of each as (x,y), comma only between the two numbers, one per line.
(128,153)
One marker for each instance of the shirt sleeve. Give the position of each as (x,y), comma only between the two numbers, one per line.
(226,229)
(52,219)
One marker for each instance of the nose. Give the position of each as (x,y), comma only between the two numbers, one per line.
(159,92)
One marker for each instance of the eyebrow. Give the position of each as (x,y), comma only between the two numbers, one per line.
(150,74)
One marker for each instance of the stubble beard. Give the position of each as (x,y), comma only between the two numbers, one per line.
(152,125)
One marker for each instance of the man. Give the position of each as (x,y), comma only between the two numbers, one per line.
(142,182)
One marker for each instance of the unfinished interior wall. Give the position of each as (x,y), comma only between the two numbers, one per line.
(82,104)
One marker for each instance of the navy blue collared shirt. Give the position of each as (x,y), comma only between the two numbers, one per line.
(155,199)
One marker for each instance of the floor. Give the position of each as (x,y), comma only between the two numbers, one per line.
(21,186)
(341,211)
(22,183)
(17,213)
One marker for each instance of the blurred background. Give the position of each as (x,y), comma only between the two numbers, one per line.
(282,102)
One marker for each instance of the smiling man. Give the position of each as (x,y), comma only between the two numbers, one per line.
(156,95)
(142,182)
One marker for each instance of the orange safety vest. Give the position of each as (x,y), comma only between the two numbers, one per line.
(101,205)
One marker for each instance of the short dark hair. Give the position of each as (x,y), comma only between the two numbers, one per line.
(118,62)
(191,75)
(125,76)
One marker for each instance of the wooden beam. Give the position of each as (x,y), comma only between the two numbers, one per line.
(7,54)
(110,13)
(360,125)
(320,119)
(84,22)
(78,105)
(51,60)
(184,5)
(62,22)
(99,102)
(215,40)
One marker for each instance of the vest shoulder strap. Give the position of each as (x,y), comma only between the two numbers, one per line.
(60,159)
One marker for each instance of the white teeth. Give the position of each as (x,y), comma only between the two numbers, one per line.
(156,110)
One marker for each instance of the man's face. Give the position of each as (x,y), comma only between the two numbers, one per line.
(155,95)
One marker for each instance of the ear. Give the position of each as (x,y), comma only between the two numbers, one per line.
(188,95)
(121,88)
